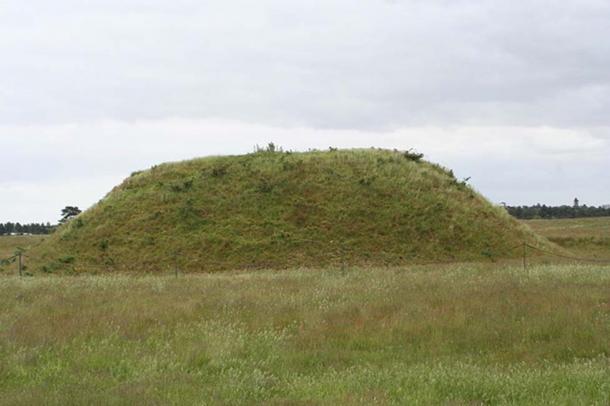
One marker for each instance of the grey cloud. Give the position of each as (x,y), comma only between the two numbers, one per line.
(512,93)
(328,64)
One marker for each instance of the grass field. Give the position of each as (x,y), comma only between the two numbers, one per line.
(444,334)
(583,236)
(429,335)
(8,244)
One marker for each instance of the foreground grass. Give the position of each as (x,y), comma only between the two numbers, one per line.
(457,335)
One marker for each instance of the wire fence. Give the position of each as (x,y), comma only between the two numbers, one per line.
(569,257)
(9,260)
(18,257)
(175,269)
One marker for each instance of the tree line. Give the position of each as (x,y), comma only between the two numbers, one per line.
(33,228)
(557,212)
(68,213)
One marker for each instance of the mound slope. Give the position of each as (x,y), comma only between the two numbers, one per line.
(279,210)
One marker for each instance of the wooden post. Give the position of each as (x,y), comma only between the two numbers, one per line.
(524,256)
(176,265)
(19,254)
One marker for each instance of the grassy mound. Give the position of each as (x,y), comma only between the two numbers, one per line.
(279,209)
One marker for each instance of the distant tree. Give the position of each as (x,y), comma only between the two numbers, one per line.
(557,212)
(68,213)
(33,228)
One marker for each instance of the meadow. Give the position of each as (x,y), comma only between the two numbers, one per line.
(9,244)
(458,334)
(589,237)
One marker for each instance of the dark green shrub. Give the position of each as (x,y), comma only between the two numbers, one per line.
(47,269)
(413,155)
(270,148)
(265,186)
(219,172)
(366,181)
(66,260)
(103,245)
(183,186)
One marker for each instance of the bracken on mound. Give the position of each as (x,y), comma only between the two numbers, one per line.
(273,209)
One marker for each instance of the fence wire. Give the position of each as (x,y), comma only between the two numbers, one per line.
(176,269)
(7,260)
(573,258)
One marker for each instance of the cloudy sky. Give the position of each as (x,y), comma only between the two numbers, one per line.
(515,94)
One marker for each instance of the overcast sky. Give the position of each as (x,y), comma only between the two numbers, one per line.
(515,94)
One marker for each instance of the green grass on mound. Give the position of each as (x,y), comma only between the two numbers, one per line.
(279,210)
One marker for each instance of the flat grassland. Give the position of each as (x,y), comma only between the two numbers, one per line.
(588,237)
(451,334)
(8,244)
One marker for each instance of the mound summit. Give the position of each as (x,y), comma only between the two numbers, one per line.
(273,209)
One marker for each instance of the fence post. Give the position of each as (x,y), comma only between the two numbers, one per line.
(20,264)
(176,265)
(525,256)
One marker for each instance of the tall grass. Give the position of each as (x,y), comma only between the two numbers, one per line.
(420,335)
